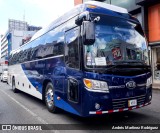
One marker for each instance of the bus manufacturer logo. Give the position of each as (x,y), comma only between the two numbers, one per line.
(131,85)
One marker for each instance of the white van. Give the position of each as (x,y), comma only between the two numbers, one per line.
(4,76)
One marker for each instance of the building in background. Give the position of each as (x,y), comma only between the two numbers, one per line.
(148,14)
(18,33)
(4,45)
(0,44)
(17,25)
(76,2)
(152,12)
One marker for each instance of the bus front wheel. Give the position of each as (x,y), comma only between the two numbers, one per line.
(14,86)
(49,98)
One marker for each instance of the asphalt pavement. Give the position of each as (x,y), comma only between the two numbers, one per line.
(21,108)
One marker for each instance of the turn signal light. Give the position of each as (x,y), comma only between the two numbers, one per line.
(88,83)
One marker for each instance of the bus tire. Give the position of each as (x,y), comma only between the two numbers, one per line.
(49,98)
(14,86)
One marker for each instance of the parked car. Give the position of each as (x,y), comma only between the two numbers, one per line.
(4,76)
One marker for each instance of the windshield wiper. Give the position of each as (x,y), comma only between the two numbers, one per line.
(116,66)
(113,66)
(129,62)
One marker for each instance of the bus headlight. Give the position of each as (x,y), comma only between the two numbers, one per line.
(95,85)
(149,82)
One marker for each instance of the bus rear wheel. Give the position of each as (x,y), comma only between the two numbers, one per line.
(49,98)
(14,86)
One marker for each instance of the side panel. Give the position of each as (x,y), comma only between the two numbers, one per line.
(43,60)
(22,81)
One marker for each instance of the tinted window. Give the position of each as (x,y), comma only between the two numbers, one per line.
(10,59)
(35,46)
(14,58)
(53,45)
(24,56)
(71,48)
(50,44)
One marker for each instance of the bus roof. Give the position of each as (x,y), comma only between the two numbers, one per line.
(107,6)
(79,9)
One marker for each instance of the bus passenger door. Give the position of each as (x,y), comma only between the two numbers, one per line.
(74,75)
(59,76)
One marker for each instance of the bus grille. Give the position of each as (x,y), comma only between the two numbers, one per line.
(123,103)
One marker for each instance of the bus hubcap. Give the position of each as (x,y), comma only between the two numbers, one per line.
(49,97)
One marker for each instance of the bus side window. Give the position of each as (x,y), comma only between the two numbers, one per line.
(11,62)
(72,48)
(16,58)
(20,56)
(28,54)
(54,45)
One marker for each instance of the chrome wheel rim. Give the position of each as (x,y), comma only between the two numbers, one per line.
(49,97)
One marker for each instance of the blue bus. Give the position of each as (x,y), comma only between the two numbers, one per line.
(93,60)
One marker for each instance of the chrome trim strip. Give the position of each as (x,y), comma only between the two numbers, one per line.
(115,87)
(96,90)
(39,59)
(140,85)
(127,98)
(141,98)
(123,86)
(118,104)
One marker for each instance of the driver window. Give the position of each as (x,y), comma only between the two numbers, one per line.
(72,48)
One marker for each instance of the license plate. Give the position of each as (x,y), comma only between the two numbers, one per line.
(132,102)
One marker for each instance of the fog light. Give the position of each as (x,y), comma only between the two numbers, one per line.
(58,98)
(97,106)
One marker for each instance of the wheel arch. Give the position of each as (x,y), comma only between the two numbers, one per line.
(45,82)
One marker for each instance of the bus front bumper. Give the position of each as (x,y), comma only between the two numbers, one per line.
(118,110)
(97,104)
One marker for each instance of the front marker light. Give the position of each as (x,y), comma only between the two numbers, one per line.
(88,83)
(149,82)
(95,85)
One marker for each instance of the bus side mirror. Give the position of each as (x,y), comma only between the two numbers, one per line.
(88,33)
(82,17)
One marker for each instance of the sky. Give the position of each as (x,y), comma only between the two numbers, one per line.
(35,12)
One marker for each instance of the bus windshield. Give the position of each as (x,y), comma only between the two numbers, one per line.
(117,41)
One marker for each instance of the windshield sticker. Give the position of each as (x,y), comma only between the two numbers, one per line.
(116,52)
(100,61)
